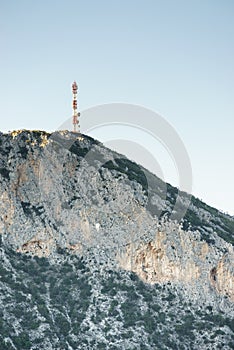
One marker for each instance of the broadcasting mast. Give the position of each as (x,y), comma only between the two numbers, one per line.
(74,104)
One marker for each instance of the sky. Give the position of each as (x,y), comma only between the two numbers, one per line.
(175,57)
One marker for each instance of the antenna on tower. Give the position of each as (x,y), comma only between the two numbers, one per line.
(76,114)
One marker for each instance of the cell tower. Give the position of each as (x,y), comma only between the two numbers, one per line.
(76,114)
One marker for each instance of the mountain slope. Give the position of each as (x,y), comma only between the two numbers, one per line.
(92,258)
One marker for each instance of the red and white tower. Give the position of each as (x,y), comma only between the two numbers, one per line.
(76,114)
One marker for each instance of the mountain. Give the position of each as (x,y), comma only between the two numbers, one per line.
(98,253)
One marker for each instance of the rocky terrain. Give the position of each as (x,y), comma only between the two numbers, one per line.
(98,253)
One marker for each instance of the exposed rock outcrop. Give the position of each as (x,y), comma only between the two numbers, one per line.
(65,190)
(181,257)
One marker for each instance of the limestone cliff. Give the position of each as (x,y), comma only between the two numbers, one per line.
(66,190)
(182,257)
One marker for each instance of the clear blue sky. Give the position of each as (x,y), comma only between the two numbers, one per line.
(173,56)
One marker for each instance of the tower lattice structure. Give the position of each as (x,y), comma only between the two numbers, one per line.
(76,114)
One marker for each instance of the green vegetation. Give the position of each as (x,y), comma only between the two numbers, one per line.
(78,150)
(129,168)
(5,173)
(36,278)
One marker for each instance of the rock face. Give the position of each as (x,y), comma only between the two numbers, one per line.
(66,196)
(64,193)
(182,258)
